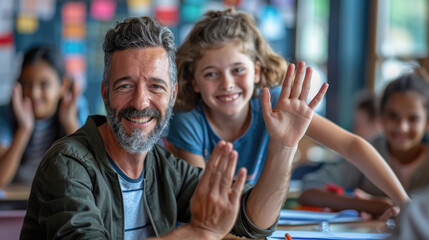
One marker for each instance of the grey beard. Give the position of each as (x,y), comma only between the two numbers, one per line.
(136,142)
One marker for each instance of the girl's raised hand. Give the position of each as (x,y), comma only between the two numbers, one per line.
(22,108)
(68,108)
(289,120)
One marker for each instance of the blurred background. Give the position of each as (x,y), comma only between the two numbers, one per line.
(353,45)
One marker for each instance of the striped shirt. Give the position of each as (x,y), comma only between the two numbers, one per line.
(137,224)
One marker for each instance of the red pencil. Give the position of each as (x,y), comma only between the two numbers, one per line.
(288,237)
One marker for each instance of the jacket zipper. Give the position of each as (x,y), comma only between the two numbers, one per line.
(147,209)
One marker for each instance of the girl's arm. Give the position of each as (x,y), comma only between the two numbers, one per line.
(192,158)
(286,124)
(322,198)
(360,153)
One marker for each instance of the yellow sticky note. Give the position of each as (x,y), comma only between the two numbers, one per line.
(26,24)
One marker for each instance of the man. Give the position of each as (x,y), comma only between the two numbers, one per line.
(109,180)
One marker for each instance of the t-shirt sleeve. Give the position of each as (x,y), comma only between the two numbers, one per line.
(186,132)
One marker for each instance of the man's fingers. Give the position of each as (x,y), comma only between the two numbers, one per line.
(228,173)
(319,96)
(224,159)
(206,177)
(214,157)
(238,185)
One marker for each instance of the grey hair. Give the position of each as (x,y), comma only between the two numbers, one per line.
(139,32)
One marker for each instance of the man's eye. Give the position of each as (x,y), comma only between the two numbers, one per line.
(158,87)
(124,86)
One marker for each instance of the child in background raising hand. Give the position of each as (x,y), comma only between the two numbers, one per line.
(223,65)
(45,106)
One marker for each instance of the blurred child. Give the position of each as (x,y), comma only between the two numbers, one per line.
(404,117)
(44,108)
(366,120)
(223,66)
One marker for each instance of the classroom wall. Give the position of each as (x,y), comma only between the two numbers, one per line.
(79,26)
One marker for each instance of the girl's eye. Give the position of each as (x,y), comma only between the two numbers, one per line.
(210,74)
(239,69)
(45,84)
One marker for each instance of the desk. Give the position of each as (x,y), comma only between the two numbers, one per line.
(15,197)
(371,226)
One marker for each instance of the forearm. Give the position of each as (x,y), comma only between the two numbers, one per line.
(375,168)
(10,159)
(267,197)
(321,198)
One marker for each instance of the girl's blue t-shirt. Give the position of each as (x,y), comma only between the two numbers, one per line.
(192,132)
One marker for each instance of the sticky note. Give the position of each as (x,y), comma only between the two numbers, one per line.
(26,24)
(102,9)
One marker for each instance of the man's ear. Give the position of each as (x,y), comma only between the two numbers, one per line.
(175,91)
(257,72)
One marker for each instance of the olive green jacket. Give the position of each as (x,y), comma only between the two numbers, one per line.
(76,193)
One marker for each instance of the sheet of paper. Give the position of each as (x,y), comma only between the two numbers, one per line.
(280,234)
(300,217)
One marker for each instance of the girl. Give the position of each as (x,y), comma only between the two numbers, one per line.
(44,107)
(404,111)
(222,67)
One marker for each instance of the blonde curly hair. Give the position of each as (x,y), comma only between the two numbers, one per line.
(214,30)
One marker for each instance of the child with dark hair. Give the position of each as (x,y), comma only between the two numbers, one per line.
(45,106)
(404,111)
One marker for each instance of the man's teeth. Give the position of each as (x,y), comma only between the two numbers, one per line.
(140,120)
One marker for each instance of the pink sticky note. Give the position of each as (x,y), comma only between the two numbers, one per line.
(75,64)
(103,9)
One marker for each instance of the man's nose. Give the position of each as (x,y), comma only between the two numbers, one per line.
(141,97)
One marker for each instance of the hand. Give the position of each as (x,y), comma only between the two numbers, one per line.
(215,203)
(68,107)
(289,120)
(22,108)
(385,206)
